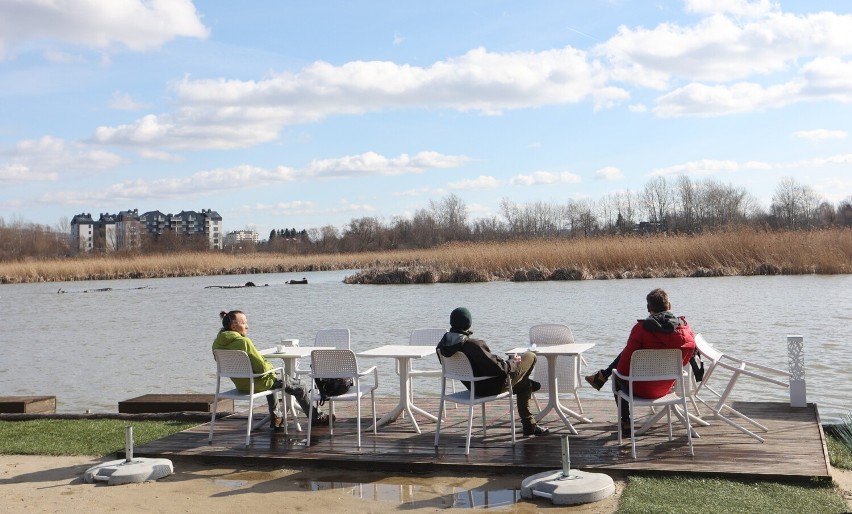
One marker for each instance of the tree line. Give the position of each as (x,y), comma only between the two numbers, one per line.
(680,205)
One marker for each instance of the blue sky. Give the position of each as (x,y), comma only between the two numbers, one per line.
(282,114)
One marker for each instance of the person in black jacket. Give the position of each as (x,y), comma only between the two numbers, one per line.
(485,364)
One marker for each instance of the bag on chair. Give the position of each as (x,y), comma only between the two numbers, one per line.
(329,387)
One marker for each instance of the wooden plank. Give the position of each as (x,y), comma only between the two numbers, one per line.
(27,404)
(794,447)
(174,403)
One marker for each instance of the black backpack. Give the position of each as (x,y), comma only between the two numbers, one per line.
(329,387)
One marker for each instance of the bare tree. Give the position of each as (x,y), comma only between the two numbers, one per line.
(657,199)
(450,214)
(793,204)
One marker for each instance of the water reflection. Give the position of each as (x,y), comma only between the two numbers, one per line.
(415,496)
(407,496)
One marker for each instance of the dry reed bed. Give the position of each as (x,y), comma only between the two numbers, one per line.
(734,252)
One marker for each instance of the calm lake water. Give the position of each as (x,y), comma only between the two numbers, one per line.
(93,349)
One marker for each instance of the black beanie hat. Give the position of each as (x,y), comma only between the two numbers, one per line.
(460,319)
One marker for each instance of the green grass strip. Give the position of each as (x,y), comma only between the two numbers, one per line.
(654,495)
(80,437)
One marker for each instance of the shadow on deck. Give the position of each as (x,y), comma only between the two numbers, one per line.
(794,447)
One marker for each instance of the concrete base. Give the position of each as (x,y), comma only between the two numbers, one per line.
(578,487)
(118,472)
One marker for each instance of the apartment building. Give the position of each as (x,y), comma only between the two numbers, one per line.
(125,229)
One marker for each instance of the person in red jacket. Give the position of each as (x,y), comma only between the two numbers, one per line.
(659,331)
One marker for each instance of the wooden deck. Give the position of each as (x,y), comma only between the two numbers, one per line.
(794,447)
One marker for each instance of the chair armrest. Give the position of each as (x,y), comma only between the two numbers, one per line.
(367,371)
(279,370)
(372,369)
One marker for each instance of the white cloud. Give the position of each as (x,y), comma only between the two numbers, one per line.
(46,158)
(545,177)
(124,102)
(200,183)
(722,48)
(371,163)
(609,173)
(820,162)
(62,57)
(744,8)
(709,167)
(637,108)
(481,182)
(421,191)
(820,134)
(222,113)
(245,177)
(821,79)
(135,24)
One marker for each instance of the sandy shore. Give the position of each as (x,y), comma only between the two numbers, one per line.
(55,484)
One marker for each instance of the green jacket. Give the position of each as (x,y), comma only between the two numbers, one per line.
(230,340)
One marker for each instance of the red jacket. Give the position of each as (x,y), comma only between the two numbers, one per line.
(659,332)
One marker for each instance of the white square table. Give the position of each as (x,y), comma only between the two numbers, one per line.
(289,354)
(403,353)
(551,353)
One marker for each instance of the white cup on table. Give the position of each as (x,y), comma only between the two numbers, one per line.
(279,348)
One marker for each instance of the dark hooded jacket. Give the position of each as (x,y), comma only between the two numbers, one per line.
(482,361)
(659,331)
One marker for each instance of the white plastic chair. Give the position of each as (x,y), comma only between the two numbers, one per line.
(737,368)
(342,363)
(425,336)
(457,367)
(333,338)
(652,365)
(328,338)
(236,364)
(568,367)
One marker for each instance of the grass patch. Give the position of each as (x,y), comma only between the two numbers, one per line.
(703,495)
(79,437)
(839,454)
(839,443)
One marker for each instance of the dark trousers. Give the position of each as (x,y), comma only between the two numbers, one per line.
(297,390)
(607,372)
(522,388)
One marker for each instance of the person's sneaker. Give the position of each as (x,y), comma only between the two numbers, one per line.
(534,386)
(626,429)
(277,424)
(535,430)
(596,380)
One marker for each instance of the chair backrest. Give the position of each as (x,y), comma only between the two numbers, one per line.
(551,334)
(334,363)
(423,336)
(333,338)
(567,366)
(456,366)
(706,349)
(232,364)
(657,364)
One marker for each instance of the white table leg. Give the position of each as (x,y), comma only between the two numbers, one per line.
(553,399)
(405,404)
(289,404)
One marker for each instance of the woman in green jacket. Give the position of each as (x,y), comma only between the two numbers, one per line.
(232,336)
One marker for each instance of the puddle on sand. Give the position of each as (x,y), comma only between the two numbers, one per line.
(408,495)
(417,495)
